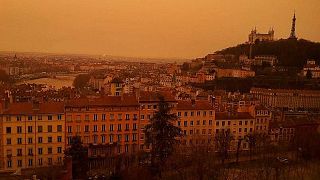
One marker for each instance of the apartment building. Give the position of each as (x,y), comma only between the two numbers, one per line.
(239,124)
(104,121)
(31,135)
(197,122)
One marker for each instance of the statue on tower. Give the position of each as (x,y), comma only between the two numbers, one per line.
(293,28)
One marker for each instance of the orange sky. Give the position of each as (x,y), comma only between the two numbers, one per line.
(148,28)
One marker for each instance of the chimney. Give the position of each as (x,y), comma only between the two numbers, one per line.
(193,102)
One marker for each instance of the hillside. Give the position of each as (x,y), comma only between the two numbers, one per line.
(289,52)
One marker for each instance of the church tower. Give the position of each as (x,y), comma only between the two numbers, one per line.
(293,28)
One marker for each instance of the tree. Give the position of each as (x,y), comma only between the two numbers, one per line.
(223,142)
(4,77)
(251,139)
(81,81)
(162,134)
(79,155)
(309,74)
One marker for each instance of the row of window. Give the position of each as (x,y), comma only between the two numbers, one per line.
(95,117)
(103,138)
(30,151)
(30,162)
(19,129)
(198,113)
(30,140)
(77,128)
(198,123)
(36,117)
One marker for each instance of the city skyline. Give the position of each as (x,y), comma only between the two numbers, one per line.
(166,29)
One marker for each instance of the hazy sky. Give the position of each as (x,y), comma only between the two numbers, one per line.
(148,28)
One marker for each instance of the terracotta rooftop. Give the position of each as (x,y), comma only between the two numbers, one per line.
(27,108)
(116,101)
(198,105)
(237,116)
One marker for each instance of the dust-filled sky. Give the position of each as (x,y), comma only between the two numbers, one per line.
(148,28)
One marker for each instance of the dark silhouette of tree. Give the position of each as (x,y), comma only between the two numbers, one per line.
(223,141)
(162,134)
(251,139)
(79,155)
(4,77)
(81,81)
(309,74)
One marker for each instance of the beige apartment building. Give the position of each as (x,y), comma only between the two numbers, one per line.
(31,135)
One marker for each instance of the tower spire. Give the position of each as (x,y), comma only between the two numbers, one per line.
(293,27)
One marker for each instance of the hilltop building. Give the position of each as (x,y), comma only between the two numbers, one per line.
(255,37)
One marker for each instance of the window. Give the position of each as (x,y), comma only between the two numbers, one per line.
(86,128)
(111,127)
(240,130)
(8,130)
(86,117)
(49,139)
(40,161)
(30,152)
(8,141)
(135,126)
(19,152)
(204,122)
(126,148)
(185,114)
(119,127)
(240,123)
(18,118)
(204,113)
(59,128)
(19,163)
(111,116)
(229,123)
(30,118)
(59,138)
(49,128)
(39,117)
(119,137)
(210,113)
(59,117)
(95,117)
(191,123)
(127,127)
(9,163)
(30,140)
(69,118)
(59,149)
(126,138)
(49,161)
(185,123)
(246,122)
(223,123)
(198,113)
(39,128)
(142,117)
(179,114)
(217,123)
(30,162)
(103,128)
(192,113)
(103,139)
(29,129)
(111,138)
(19,141)
(49,117)
(179,123)
(135,116)
(103,117)
(127,116)
(39,150)
(95,128)
(203,131)
(210,122)
(69,129)
(49,150)
(19,129)
(39,139)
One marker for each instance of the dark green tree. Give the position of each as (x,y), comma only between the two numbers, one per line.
(251,139)
(162,135)
(309,74)
(81,81)
(79,155)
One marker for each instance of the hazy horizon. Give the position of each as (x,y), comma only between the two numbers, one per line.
(182,29)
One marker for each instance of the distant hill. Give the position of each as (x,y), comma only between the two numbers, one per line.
(289,52)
